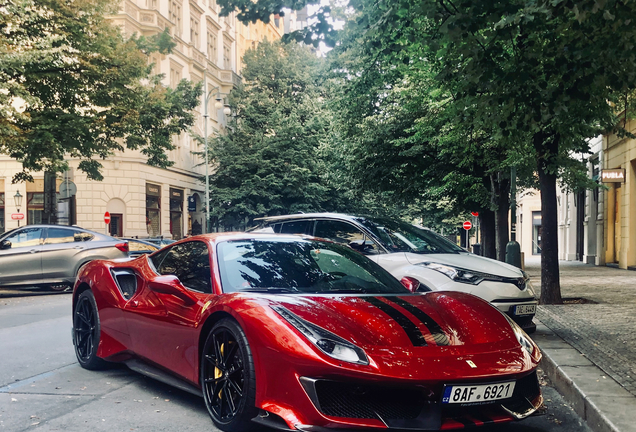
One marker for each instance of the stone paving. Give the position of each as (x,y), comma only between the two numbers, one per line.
(603,332)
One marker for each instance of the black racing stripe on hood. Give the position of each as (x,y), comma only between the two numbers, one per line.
(439,336)
(411,330)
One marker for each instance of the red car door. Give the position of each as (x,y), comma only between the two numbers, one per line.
(163,316)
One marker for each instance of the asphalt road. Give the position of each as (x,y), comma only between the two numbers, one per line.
(42,388)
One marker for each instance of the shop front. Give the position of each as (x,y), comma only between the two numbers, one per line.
(153,210)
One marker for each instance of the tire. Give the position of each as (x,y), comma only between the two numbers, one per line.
(86,332)
(227,377)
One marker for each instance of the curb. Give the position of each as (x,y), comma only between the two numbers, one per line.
(603,403)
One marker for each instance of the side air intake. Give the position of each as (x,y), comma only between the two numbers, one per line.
(126,282)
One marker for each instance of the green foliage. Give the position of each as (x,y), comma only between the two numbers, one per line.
(84,91)
(267,163)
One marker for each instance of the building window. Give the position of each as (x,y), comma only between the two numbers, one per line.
(174,13)
(153,210)
(212,48)
(212,4)
(176,213)
(194,32)
(227,60)
(151,4)
(175,76)
(35,207)
(2,227)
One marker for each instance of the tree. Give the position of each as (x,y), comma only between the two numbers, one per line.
(538,71)
(71,85)
(267,163)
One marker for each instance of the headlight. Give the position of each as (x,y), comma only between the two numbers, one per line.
(327,342)
(457,274)
(522,337)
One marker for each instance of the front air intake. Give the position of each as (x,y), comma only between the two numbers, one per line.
(126,282)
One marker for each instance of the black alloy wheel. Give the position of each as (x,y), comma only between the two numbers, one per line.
(227,377)
(86,332)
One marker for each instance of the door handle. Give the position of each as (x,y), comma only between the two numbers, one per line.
(33,251)
(79,247)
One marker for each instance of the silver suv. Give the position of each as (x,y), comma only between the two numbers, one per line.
(51,255)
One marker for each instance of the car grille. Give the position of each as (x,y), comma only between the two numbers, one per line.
(340,399)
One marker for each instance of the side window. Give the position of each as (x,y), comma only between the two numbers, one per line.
(189,262)
(135,246)
(158,258)
(27,237)
(295,227)
(196,270)
(59,235)
(347,234)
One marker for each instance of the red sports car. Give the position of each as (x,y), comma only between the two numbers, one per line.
(302,334)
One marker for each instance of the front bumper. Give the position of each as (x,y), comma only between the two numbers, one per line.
(412,408)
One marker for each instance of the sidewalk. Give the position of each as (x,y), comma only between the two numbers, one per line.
(589,345)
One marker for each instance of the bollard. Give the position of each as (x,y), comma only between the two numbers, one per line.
(513,254)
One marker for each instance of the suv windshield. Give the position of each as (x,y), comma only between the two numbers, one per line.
(398,236)
(300,266)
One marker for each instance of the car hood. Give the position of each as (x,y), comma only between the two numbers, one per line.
(467,261)
(410,335)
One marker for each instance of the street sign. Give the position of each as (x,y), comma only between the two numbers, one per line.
(467,225)
(476,214)
(67,189)
(106,218)
(17,216)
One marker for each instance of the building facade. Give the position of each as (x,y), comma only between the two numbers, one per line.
(145,201)
(619,177)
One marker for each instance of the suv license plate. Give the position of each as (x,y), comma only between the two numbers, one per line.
(525,309)
(466,394)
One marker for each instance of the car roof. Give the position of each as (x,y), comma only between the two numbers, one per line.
(225,236)
(60,226)
(340,216)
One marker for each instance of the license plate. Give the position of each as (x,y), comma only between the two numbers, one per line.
(525,309)
(475,394)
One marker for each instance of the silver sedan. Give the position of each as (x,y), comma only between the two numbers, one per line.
(51,255)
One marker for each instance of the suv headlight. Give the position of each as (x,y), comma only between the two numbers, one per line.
(457,274)
(327,342)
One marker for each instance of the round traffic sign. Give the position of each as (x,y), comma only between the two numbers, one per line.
(107,218)
(467,225)
(17,216)
(476,214)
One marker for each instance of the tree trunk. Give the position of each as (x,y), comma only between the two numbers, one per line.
(487,229)
(550,284)
(501,200)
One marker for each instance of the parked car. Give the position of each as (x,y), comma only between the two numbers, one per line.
(297,333)
(51,255)
(159,241)
(138,247)
(418,253)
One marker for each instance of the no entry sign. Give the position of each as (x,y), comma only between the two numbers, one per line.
(106,218)
(467,225)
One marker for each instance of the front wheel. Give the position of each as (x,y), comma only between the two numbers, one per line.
(227,377)
(86,332)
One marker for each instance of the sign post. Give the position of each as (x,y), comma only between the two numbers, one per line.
(107,220)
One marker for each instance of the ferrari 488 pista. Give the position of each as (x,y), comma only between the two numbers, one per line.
(301,334)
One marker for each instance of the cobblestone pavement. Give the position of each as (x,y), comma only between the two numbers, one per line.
(603,332)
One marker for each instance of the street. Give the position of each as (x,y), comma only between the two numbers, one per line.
(42,388)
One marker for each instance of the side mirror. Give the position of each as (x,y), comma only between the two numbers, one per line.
(5,244)
(169,284)
(410,283)
(362,246)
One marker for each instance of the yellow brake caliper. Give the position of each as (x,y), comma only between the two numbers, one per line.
(217,371)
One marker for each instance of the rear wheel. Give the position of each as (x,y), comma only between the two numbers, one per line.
(86,332)
(227,377)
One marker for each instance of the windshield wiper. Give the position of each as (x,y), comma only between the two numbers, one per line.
(269,290)
(345,291)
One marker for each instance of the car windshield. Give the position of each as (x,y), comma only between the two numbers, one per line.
(397,236)
(300,266)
